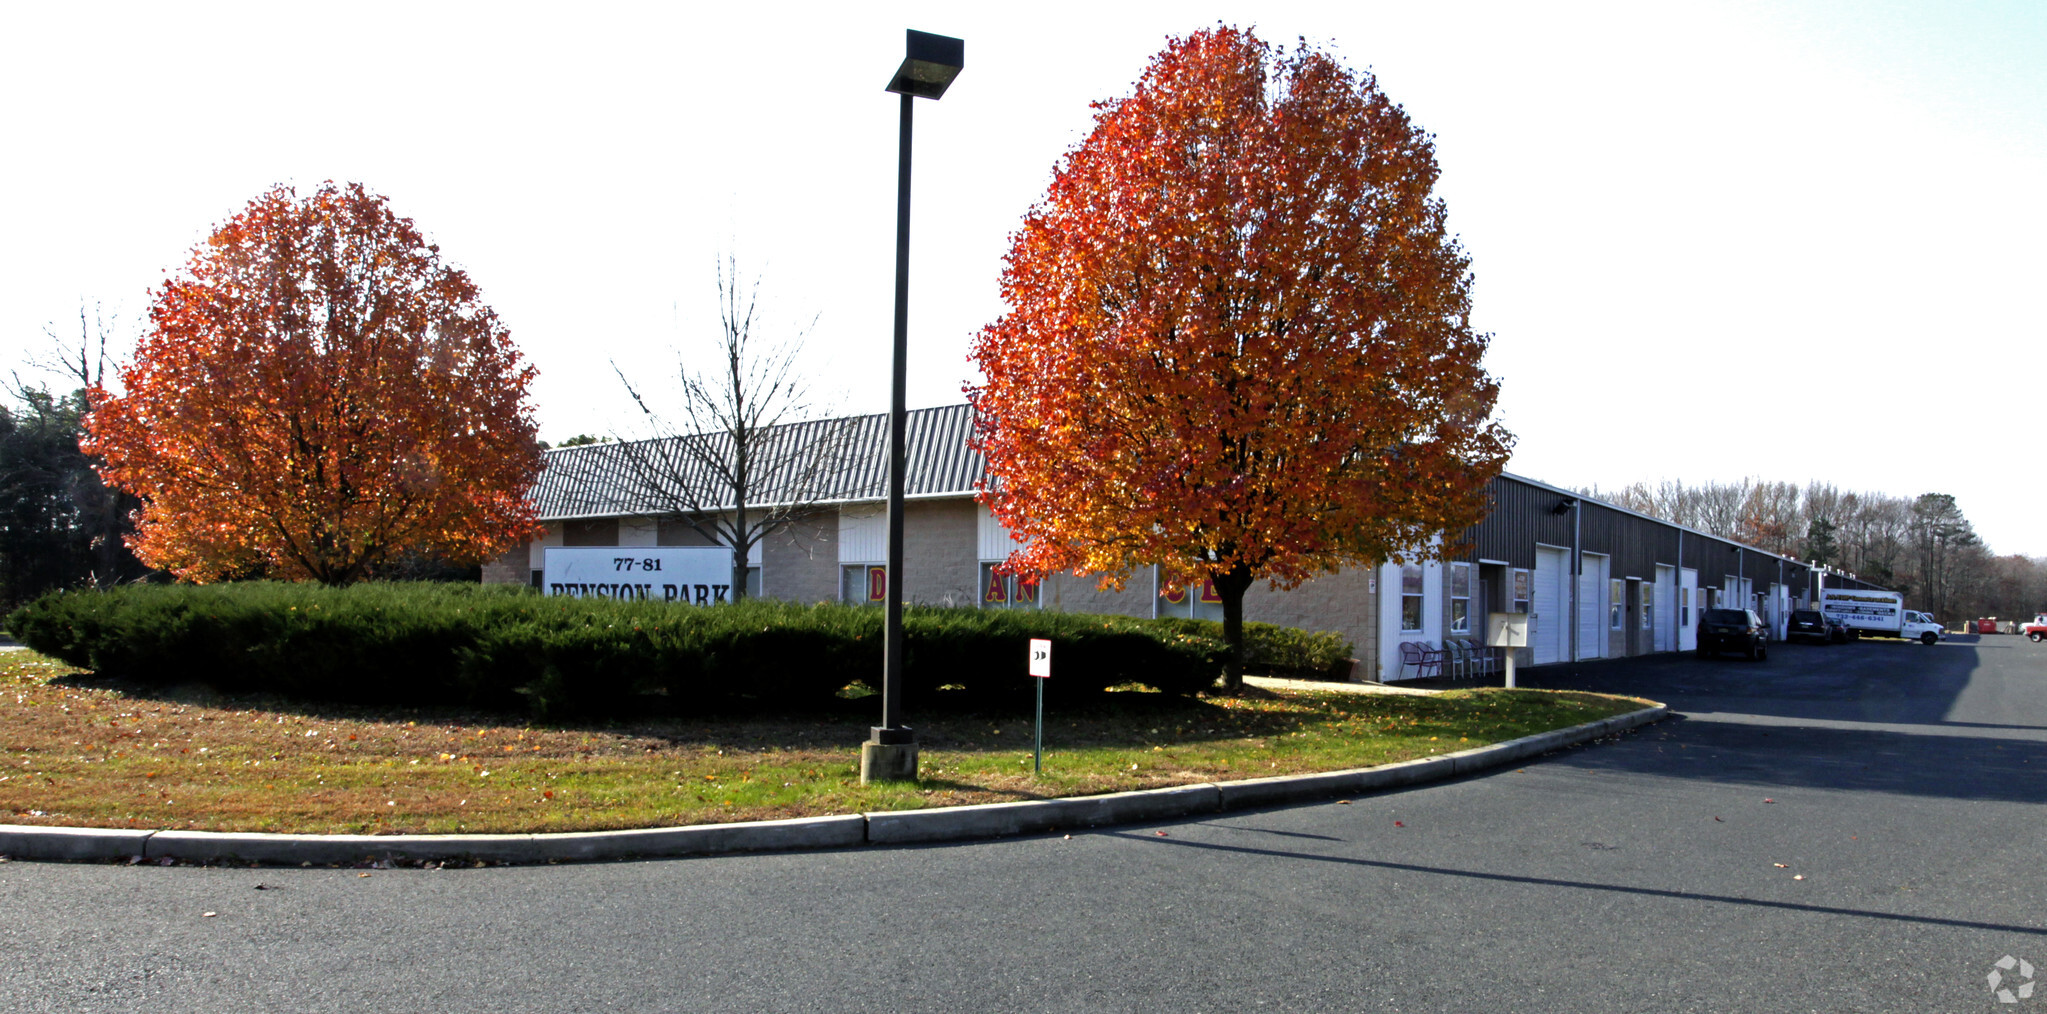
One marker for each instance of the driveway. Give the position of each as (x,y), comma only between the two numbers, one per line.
(1842,828)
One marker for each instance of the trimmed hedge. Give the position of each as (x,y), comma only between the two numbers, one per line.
(501,647)
(1273,650)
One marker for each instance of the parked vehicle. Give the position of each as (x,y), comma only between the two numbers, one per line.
(2036,630)
(1929,629)
(1881,613)
(1813,625)
(1842,631)
(1741,630)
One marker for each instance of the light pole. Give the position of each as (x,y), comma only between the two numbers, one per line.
(930,62)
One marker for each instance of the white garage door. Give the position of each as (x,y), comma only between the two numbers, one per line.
(1547,615)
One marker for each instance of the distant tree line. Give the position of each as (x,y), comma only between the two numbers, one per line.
(60,526)
(1923,546)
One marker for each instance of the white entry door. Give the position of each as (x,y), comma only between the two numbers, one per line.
(1592,605)
(1547,613)
(1688,606)
(1666,607)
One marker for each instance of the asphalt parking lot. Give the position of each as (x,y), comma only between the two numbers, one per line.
(1839,828)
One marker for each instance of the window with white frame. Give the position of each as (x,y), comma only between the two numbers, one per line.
(1521,586)
(1460,598)
(863,583)
(1616,597)
(863,544)
(1684,607)
(1411,598)
(1648,605)
(1007,591)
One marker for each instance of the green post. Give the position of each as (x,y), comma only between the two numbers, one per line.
(1041,670)
(1038,738)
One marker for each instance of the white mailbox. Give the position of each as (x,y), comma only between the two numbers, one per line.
(1506,630)
(1509,631)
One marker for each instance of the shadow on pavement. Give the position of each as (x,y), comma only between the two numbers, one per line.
(1508,878)
(1730,751)
(1882,681)
(1963,719)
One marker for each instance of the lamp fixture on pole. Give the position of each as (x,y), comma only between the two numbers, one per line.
(930,62)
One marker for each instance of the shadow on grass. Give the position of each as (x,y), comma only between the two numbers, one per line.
(946,720)
(1313,728)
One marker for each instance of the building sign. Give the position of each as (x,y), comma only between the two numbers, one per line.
(1208,595)
(692,575)
(1008,589)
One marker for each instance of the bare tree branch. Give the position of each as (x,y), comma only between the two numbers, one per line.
(736,460)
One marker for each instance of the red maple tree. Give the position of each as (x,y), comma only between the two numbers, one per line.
(318,394)
(1237,341)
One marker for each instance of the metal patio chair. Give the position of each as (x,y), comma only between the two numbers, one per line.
(1483,660)
(1456,658)
(1427,661)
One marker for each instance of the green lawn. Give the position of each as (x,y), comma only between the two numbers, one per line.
(77,750)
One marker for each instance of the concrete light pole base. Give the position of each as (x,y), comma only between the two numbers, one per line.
(888,762)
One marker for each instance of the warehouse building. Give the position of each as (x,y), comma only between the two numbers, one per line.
(1596,580)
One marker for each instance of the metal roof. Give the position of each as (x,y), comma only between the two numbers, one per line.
(817,461)
(602,480)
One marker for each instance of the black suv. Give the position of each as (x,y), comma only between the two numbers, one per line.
(1732,630)
(1810,623)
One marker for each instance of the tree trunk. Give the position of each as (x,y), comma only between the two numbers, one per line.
(741,548)
(1232,585)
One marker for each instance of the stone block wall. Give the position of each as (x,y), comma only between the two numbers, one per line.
(512,567)
(1067,593)
(941,565)
(800,560)
(1341,603)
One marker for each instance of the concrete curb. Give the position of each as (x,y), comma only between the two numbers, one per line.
(995,820)
(83,844)
(574,846)
(894,827)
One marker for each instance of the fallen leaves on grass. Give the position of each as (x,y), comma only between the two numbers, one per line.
(257,764)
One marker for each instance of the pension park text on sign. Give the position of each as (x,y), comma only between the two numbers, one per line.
(689,575)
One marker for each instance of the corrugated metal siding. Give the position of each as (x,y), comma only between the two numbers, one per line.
(993,540)
(1636,543)
(863,536)
(1519,519)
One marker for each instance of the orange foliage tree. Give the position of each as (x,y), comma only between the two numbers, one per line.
(1236,342)
(319,394)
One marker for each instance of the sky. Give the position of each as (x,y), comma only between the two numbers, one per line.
(1715,241)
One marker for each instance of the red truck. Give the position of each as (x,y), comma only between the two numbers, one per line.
(2036,630)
